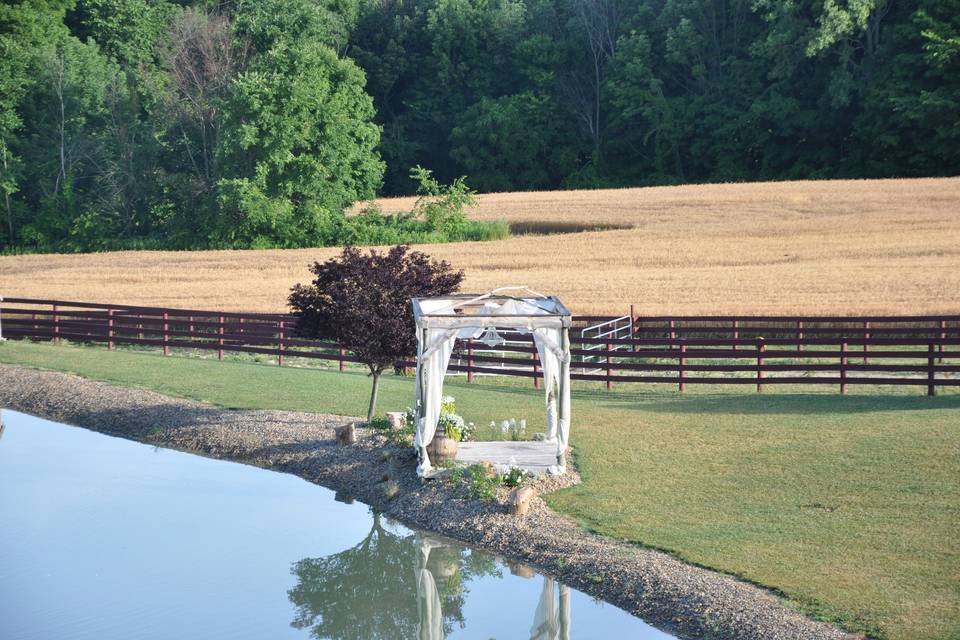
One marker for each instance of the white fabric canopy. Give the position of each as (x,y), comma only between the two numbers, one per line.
(440,321)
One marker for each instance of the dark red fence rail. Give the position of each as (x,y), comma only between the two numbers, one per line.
(923,351)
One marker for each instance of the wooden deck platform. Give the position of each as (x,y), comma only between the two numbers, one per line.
(531,456)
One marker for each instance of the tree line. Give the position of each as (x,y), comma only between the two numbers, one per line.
(255,123)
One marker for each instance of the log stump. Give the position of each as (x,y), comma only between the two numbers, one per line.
(347,434)
(520,500)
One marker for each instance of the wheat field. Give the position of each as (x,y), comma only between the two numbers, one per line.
(815,247)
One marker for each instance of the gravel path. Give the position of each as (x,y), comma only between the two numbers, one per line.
(688,601)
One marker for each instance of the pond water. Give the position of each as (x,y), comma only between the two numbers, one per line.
(105,538)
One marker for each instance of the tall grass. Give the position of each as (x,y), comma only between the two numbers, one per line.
(816,248)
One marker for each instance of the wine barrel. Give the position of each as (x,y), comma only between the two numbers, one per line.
(442,448)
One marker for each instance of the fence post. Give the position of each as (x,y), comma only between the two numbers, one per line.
(683,361)
(220,339)
(536,368)
(56,326)
(761,347)
(609,369)
(799,335)
(139,327)
(109,328)
(943,336)
(280,355)
(166,335)
(470,360)
(341,358)
(633,329)
(931,372)
(843,366)
(636,334)
(673,332)
(736,332)
(866,340)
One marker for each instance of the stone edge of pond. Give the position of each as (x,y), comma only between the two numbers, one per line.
(681,599)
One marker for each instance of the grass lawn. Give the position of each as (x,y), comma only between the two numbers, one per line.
(848,505)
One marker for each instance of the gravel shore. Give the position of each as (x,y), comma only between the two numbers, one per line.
(688,601)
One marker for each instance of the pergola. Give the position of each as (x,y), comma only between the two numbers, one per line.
(441,321)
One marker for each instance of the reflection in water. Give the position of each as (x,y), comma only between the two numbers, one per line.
(405,585)
(108,539)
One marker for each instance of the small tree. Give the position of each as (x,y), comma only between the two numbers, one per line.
(362,301)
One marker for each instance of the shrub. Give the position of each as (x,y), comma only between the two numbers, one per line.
(379,422)
(482,486)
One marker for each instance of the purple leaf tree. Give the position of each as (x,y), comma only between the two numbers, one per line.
(362,301)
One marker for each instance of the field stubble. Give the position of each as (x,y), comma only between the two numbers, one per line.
(819,247)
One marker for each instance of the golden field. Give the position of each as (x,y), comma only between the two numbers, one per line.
(817,247)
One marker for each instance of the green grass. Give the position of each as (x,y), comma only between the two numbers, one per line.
(848,505)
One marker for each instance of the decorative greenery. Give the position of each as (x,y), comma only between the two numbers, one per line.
(482,486)
(379,422)
(453,424)
(514,477)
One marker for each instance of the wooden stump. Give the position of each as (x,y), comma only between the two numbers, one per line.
(397,419)
(521,570)
(347,434)
(520,500)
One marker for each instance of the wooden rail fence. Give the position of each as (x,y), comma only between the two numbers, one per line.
(922,351)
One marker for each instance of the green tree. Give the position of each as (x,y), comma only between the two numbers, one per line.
(513,142)
(25,29)
(298,147)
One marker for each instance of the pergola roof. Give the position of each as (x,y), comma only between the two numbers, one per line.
(495,309)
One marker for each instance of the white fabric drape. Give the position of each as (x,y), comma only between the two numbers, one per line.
(555,361)
(564,612)
(545,623)
(547,342)
(430,626)
(434,349)
(549,621)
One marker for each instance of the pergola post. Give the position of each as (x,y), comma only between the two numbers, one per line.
(564,417)
(418,399)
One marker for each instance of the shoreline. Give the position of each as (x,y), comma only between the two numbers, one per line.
(681,599)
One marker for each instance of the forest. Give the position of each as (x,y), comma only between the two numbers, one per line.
(257,123)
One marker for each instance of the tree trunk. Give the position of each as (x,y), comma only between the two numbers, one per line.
(373,394)
(6,197)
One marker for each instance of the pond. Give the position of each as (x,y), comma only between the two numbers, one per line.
(106,538)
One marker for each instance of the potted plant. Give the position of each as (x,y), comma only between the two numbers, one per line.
(451,429)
